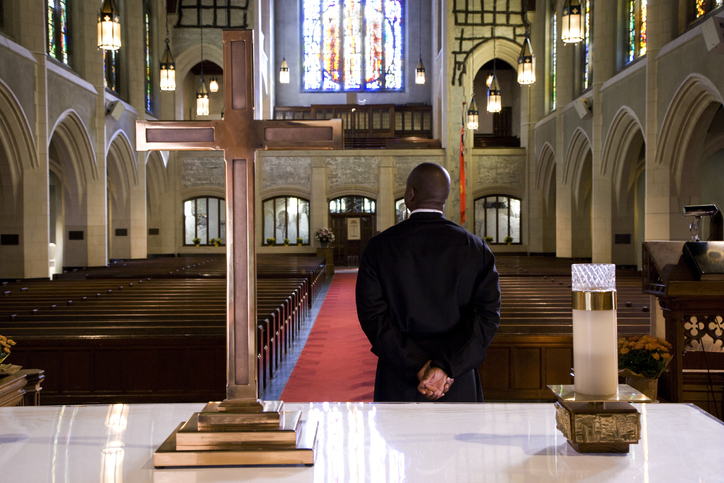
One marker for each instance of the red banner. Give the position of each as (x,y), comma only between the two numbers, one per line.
(462,174)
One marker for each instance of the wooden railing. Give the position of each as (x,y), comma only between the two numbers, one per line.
(373,126)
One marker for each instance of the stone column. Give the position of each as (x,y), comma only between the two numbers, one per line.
(34,232)
(385,197)
(662,26)
(318,204)
(604,65)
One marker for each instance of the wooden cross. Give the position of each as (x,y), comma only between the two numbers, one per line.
(239,136)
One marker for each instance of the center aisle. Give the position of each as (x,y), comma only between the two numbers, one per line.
(336,364)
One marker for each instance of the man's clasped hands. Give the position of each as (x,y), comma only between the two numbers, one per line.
(434,382)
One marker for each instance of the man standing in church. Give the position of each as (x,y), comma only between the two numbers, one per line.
(428,299)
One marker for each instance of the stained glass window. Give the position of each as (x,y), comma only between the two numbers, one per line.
(553,52)
(57,22)
(700,8)
(498,217)
(401,213)
(352,45)
(352,204)
(286,217)
(147,57)
(637,28)
(205,219)
(586,64)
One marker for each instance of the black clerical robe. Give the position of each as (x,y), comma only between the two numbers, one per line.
(427,289)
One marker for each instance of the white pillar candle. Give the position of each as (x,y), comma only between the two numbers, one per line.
(595,347)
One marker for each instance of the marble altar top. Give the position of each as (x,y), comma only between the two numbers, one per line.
(360,442)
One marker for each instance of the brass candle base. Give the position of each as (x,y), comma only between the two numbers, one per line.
(596,425)
(240,433)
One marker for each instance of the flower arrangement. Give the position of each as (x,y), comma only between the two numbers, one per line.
(300,241)
(324,235)
(271,241)
(286,242)
(5,345)
(215,241)
(643,356)
(197,241)
(508,240)
(488,239)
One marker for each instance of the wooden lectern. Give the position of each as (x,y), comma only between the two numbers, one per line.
(692,308)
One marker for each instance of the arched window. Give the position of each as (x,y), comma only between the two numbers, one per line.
(352,204)
(637,28)
(401,213)
(286,217)
(205,219)
(498,217)
(352,45)
(699,8)
(58,26)
(553,55)
(147,55)
(586,66)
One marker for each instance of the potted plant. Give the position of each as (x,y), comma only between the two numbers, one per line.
(325,236)
(488,239)
(300,241)
(271,241)
(642,360)
(215,241)
(5,345)
(197,241)
(286,242)
(508,240)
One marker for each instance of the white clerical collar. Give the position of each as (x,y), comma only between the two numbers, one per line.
(425,210)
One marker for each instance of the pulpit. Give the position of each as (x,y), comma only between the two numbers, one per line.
(693,308)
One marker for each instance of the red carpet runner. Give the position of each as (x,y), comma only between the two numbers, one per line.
(336,364)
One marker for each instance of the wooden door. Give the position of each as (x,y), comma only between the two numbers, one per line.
(353,221)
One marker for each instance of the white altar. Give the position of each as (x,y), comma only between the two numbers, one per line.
(359,442)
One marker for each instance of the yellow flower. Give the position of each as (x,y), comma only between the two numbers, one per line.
(625,350)
(656,356)
(666,355)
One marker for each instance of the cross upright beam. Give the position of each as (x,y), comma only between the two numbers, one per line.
(239,136)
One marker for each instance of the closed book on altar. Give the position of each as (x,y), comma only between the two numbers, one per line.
(705,260)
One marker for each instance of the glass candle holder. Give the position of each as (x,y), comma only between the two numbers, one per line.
(595,335)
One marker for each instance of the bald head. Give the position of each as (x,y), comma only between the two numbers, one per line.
(428,186)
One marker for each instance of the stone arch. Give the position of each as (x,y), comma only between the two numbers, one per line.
(72,158)
(696,100)
(76,145)
(578,149)
(621,146)
(17,147)
(18,158)
(122,178)
(185,61)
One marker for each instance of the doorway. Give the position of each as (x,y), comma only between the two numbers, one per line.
(353,223)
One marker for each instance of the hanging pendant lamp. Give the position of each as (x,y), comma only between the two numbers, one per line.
(202,95)
(420,71)
(168,66)
(572,22)
(284,69)
(213,85)
(284,72)
(526,64)
(495,101)
(109,26)
(473,116)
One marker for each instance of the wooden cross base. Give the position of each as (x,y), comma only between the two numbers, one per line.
(598,427)
(240,433)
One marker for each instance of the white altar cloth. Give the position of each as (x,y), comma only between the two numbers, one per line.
(493,442)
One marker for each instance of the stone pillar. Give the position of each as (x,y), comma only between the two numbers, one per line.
(385,197)
(604,66)
(662,26)
(34,232)
(318,204)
